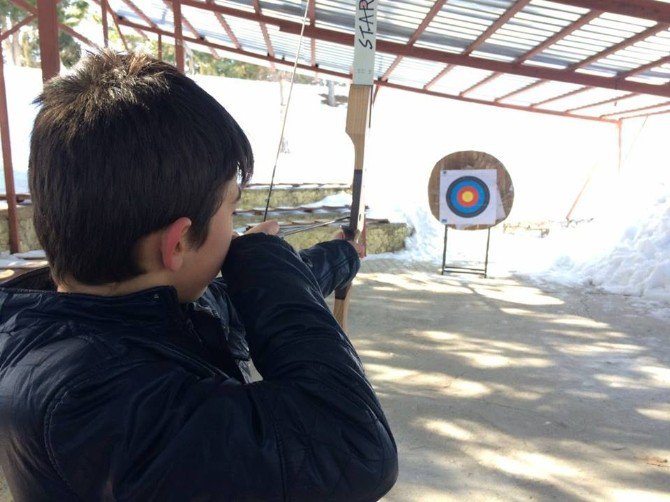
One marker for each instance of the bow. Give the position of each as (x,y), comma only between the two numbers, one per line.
(358,120)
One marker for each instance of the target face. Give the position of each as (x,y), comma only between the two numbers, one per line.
(468,196)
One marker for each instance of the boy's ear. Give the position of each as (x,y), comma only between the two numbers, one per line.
(174,243)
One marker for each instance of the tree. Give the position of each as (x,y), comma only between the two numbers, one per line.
(24,44)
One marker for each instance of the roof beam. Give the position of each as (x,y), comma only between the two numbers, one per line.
(226,27)
(171,3)
(644,9)
(633,110)
(525,88)
(115,18)
(26,20)
(562,96)
(438,77)
(560,35)
(495,26)
(264,30)
(22,4)
(557,37)
(430,15)
(400,49)
(646,115)
(276,60)
(642,69)
(506,16)
(140,13)
(604,102)
(643,35)
(479,84)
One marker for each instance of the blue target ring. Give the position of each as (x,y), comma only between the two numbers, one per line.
(468,196)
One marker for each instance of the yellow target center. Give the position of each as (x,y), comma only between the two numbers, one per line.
(468,196)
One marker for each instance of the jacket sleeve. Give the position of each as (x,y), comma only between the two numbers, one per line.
(333,263)
(313,429)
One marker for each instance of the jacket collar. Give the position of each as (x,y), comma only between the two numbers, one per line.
(35,291)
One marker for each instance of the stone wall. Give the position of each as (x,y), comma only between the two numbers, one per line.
(27,237)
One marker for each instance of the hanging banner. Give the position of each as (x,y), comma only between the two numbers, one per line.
(469,197)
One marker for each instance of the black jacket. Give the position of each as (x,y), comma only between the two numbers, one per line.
(137,397)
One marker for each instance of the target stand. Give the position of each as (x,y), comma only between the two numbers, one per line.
(465,270)
(469,190)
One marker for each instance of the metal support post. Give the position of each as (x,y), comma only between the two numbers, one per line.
(178,35)
(12,213)
(105,27)
(47,25)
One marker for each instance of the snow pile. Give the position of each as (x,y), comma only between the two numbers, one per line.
(625,253)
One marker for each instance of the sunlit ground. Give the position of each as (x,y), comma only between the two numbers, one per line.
(499,390)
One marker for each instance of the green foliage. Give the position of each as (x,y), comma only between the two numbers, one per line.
(24,46)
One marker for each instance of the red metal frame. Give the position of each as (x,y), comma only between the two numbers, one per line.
(629,42)
(633,110)
(26,20)
(178,35)
(105,29)
(22,4)
(311,13)
(430,15)
(645,9)
(226,27)
(561,96)
(507,15)
(47,22)
(12,211)
(642,69)
(399,49)
(604,102)
(523,89)
(188,25)
(302,66)
(264,30)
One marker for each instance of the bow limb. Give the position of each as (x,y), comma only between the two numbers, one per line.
(358,118)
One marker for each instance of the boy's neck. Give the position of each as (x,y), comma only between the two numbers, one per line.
(139,283)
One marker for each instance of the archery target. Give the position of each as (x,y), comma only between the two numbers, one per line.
(468,197)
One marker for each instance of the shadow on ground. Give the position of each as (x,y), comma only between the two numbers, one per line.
(498,390)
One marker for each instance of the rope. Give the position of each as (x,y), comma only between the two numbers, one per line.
(288,103)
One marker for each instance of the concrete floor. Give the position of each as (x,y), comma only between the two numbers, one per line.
(499,390)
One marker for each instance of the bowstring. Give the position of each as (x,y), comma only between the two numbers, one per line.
(288,103)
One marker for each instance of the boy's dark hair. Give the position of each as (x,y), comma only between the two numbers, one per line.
(121,148)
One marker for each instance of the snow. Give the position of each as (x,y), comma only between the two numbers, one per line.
(625,249)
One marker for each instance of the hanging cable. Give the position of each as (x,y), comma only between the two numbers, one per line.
(288,103)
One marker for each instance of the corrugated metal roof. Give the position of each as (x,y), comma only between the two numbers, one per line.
(520,53)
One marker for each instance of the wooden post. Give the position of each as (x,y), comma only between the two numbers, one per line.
(47,25)
(178,36)
(12,213)
(105,27)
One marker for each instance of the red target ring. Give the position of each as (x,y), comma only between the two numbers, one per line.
(467,197)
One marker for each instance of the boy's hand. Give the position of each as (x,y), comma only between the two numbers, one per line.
(360,248)
(270,227)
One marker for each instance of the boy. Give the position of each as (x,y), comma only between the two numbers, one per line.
(130,380)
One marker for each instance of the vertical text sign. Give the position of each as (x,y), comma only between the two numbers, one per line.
(365,41)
